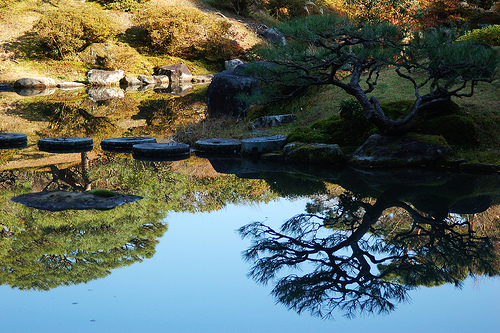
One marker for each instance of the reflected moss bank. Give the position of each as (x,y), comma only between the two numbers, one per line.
(40,250)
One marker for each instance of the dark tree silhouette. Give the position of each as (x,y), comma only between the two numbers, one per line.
(331,50)
(350,261)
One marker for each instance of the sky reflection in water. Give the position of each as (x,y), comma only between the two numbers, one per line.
(196,282)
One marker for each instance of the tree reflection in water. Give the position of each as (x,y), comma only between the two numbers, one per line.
(356,255)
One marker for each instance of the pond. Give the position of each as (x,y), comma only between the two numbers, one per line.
(236,245)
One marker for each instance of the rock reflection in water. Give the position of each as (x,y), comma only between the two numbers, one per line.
(356,253)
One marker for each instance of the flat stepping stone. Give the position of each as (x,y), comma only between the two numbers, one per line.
(13,140)
(261,145)
(164,151)
(219,146)
(64,145)
(64,200)
(124,145)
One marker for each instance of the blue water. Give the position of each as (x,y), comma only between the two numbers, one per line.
(196,282)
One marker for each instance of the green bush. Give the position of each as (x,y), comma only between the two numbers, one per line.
(456,129)
(489,35)
(113,56)
(185,32)
(442,118)
(240,7)
(66,31)
(349,108)
(124,5)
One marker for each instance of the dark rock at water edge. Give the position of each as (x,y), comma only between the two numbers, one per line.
(35,82)
(401,151)
(314,153)
(225,91)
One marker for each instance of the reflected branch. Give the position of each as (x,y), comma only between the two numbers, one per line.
(353,264)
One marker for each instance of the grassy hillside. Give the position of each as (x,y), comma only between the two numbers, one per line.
(20,56)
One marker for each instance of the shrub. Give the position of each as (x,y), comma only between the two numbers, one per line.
(349,108)
(456,129)
(240,7)
(68,30)
(113,56)
(218,45)
(489,35)
(124,5)
(185,32)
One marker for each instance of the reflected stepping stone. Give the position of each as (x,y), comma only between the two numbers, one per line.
(66,145)
(165,151)
(219,146)
(124,145)
(261,145)
(63,200)
(13,140)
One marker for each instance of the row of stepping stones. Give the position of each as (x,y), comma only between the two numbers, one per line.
(147,148)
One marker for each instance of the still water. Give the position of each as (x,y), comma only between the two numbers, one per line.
(196,283)
(232,245)
(197,279)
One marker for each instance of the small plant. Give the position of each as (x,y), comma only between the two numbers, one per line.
(349,108)
(489,35)
(66,31)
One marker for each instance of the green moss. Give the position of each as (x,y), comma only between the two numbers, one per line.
(397,109)
(437,140)
(307,135)
(456,129)
(103,193)
(352,131)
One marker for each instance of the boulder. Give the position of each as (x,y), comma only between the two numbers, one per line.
(175,72)
(35,82)
(401,151)
(314,153)
(99,77)
(274,36)
(225,91)
(272,121)
(146,79)
(131,81)
(161,79)
(232,64)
